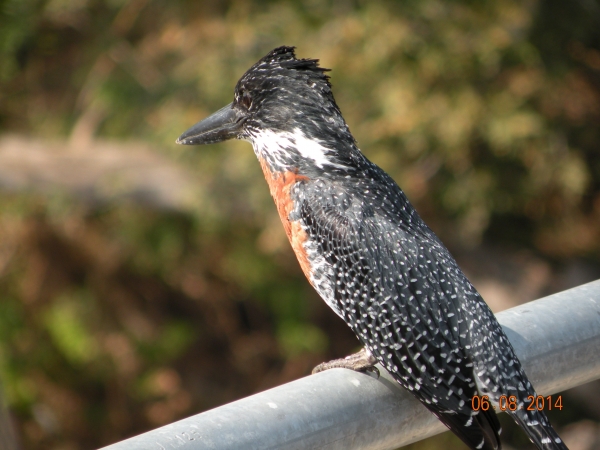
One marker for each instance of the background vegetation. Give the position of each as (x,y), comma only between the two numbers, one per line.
(123,308)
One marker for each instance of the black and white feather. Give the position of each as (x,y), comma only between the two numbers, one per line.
(370,256)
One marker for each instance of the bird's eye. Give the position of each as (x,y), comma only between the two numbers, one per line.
(245,100)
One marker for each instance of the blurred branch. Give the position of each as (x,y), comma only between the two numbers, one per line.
(106,171)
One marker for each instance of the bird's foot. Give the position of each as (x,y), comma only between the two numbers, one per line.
(362,361)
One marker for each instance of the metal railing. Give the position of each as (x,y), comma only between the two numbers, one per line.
(557,339)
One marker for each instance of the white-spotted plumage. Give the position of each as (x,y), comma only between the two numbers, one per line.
(370,256)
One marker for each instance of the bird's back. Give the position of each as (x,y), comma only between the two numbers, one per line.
(375,262)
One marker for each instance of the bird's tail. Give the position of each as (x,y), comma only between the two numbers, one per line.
(538,429)
(480,431)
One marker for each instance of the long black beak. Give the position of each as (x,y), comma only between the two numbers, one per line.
(225,124)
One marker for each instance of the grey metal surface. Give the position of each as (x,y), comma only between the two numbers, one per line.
(557,339)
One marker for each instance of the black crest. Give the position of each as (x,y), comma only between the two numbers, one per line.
(280,92)
(286,57)
(282,64)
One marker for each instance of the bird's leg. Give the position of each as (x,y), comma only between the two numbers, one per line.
(362,361)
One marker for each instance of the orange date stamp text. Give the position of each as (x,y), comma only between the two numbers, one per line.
(533,403)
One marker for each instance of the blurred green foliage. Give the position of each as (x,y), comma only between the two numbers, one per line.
(116,318)
(64,324)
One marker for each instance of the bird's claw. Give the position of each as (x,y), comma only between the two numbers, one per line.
(373,370)
(362,361)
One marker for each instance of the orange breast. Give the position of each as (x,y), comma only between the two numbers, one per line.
(280,184)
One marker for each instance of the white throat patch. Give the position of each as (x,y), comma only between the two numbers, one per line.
(276,145)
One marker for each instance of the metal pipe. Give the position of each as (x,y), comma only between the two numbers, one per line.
(557,339)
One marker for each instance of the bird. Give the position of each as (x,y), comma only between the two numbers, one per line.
(370,256)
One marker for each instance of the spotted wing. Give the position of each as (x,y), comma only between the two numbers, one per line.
(400,292)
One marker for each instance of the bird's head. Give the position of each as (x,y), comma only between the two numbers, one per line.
(285,108)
